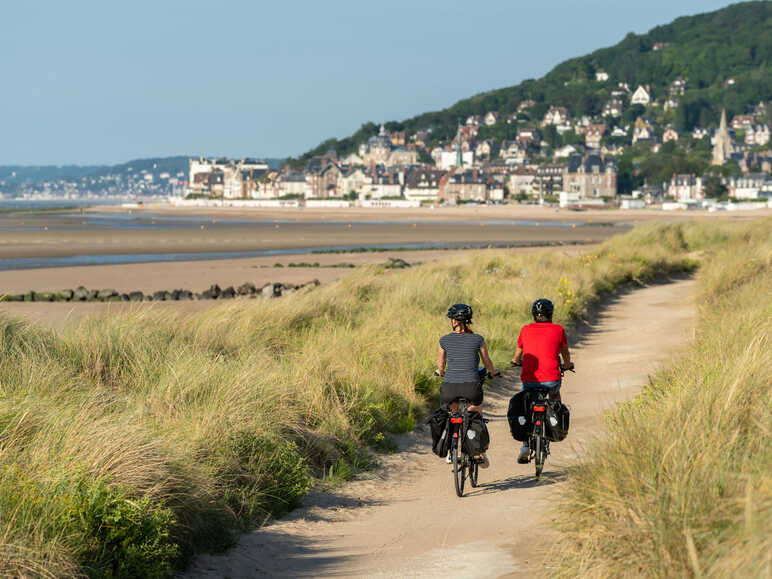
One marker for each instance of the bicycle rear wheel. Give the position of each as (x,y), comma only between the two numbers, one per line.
(539,454)
(459,467)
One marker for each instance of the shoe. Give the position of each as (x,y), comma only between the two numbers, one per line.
(448,459)
(525,455)
(482,460)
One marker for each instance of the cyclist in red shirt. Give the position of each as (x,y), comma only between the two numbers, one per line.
(539,349)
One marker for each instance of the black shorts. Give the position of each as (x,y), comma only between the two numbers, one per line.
(472,391)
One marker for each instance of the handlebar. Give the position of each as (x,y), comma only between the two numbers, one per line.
(563,368)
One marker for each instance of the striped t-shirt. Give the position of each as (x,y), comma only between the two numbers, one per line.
(463,356)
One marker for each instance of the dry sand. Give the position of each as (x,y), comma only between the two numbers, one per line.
(404,520)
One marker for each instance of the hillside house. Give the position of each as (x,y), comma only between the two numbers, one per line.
(556,116)
(677,87)
(601,75)
(642,130)
(742,122)
(486,149)
(402,157)
(670,134)
(757,135)
(612,108)
(472,120)
(593,135)
(672,103)
(641,96)
(377,148)
(491,118)
(525,105)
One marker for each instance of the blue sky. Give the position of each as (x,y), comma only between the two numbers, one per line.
(103,82)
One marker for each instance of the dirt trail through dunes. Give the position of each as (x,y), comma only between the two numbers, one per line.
(404,520)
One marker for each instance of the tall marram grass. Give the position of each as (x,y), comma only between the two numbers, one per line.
(682,484)
(129,442)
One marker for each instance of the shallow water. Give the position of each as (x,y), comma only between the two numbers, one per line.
(118,259)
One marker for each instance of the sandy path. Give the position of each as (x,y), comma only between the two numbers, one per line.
(404,519)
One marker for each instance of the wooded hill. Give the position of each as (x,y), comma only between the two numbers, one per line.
(706,49)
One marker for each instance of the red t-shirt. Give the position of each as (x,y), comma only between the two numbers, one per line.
(541,342)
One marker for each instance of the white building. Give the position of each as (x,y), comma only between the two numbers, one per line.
(641,96)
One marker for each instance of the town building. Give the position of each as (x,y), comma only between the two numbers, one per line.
(469,185)
(748,186)
(423,184)
(601,75)
(590,177)
(685,188)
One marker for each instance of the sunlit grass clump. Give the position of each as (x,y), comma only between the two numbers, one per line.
(129,442)
(682,485)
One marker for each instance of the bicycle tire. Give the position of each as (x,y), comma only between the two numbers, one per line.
(459,468)
(539,455)
(474,469)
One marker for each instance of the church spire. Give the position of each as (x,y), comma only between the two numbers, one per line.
(722,149)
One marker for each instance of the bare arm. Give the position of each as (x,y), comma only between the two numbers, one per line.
(566,355)
(441,359)
(486,359)
(517,359)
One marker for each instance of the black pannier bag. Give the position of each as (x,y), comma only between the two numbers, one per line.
(558,417)
(438,424)
(519,417)
(477,437)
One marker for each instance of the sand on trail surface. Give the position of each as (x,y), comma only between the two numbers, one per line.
(404,519)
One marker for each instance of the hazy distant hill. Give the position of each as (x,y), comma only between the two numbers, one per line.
(15,174)
(706,49)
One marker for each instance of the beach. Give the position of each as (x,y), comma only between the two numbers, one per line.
(164,248)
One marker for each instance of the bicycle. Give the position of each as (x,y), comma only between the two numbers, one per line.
(464,465)
(538,442)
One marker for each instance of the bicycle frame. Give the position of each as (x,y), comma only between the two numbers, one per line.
(537,441)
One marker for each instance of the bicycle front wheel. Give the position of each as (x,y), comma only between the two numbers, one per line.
(459,468)
(473,471)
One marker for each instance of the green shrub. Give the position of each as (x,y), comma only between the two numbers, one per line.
(118,536)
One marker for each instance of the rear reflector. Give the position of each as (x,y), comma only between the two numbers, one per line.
(538,423)
(539,408)
(456,420)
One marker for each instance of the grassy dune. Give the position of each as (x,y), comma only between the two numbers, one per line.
(682,486)
(128,443)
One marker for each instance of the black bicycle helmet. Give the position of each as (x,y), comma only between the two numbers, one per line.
(460,313)
(542,308)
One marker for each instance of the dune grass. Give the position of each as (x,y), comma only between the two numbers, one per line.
(130,442)
(682,485)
